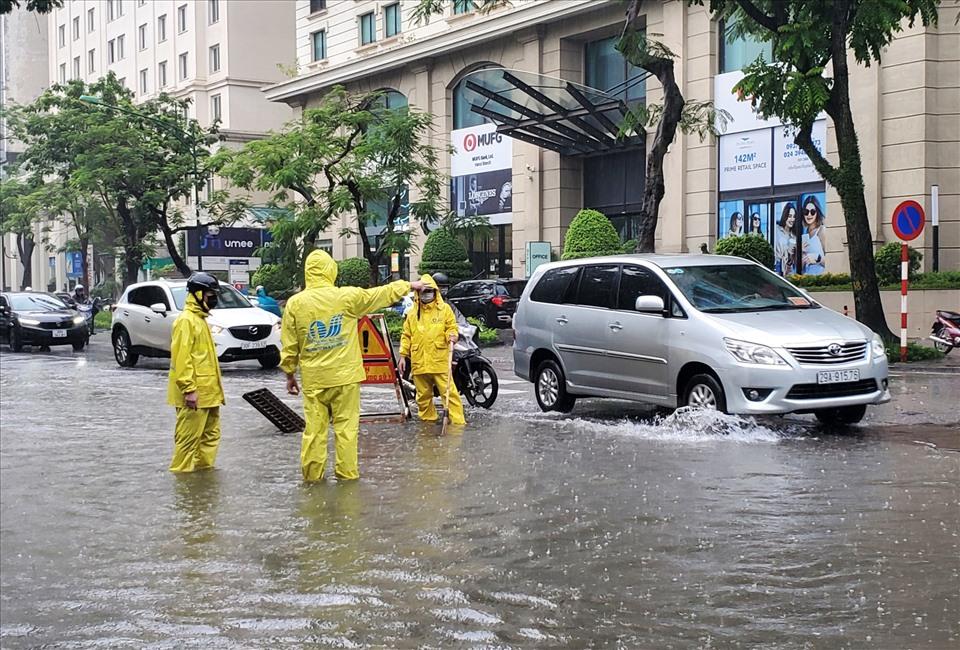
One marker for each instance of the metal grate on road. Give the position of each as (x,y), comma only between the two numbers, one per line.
(270,406)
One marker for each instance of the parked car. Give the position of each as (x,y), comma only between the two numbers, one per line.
(40,319)
(492,301)
(692,330)
(143,321)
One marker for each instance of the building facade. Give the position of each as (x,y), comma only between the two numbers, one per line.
(907,114)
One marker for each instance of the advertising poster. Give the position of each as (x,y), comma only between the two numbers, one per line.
(786,227)
(745,160)
(757,219)
(790,164)
(481,171)
(731,219)
(813,240)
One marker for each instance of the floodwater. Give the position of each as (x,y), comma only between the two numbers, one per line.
(524,531)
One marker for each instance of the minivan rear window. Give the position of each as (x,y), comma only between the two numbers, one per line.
(554,286)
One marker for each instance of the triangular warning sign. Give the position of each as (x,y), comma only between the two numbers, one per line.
(371,343)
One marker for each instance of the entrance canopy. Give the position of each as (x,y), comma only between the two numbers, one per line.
(552,113)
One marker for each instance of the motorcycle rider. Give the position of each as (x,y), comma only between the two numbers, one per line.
(194,386)
(428,330)
(81,297)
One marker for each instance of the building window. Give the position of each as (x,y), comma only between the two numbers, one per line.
(76,28)
(111,50)
(182,18)
(61,35)
(463,6)
(462,115)
(183,66)
(63,73)
(141,3)
(119,7)
(215,58)
(392,21)
(142,37)
(123,81)
(319,41)
(91,21)
(162,74)
(215,107)
(738,53)
(120,53)
(368,28)
(317,5)
(76,67)
(143,82)
(92,60)
(607,70)
(213,11)
(110,10)
(162,28)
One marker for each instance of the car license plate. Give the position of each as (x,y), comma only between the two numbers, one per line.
(837,376)
(59,334)
(253,345)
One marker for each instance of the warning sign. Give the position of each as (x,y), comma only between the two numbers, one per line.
(371,341)
(379,372)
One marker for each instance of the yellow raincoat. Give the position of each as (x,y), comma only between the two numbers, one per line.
(426,341)
(319,335)
(194,368)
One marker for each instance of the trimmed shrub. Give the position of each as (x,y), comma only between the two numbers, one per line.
(887,260)
(822,280)
(591,234)
(353,272)
(443,253)
(938,280)
(275,282)
(751,247)
(915,352)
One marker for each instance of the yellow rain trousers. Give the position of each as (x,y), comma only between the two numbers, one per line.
(319,335)
(426,341)
(194,367)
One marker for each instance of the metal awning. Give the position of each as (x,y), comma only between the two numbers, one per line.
(552,113)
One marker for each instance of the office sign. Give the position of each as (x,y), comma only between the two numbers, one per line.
(481,171)
(538,252)
(745,160)
(232,242)
(790,164)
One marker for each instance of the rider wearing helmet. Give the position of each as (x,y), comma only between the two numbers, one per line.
(194,386)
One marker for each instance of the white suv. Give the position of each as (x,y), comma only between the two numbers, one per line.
(143,322)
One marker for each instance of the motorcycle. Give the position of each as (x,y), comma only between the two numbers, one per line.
(945,332)
(89,311)
(473,374)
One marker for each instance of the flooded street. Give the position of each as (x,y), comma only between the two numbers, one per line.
(605,528)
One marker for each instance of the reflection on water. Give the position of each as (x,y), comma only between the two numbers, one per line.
(525,530)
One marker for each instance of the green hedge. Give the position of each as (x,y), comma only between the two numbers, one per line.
(842,281)
(443,253)
(915,352)
(353,272)
(887,260)
(591,234)
(750,246)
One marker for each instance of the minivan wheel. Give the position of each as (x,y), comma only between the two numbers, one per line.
(705,392)
(551,389)
(122,349)
(842,414)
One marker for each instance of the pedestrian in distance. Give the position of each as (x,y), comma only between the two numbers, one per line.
(429,330)
(195,387)
(319,336)
(265,302)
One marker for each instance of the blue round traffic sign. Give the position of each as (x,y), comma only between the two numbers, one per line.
(908,220)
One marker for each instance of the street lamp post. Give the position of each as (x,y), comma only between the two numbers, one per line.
(178,133)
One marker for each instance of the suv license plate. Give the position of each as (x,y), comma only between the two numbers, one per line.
(59,334)
(253,345)
(837,376)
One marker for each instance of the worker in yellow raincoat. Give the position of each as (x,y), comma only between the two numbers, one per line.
(194,386)
(428,330)
(319,335)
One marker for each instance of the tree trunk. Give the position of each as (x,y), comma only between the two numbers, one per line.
(25,246)
(86,270)
(132,253)
(172,248)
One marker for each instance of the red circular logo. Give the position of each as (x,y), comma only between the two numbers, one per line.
(470,142)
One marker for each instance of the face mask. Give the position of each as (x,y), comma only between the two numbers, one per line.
(427,297)
(210,301)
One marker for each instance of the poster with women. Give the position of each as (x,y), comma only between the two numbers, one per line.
(785,230)
(758,219)
(813,242)
(731,219)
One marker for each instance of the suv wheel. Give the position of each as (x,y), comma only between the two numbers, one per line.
(551,388)
(270,360)
(79,345)
(16,339)
(123,350)
(842,415)
(705,392)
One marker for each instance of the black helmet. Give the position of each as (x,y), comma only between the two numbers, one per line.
(441,279)
(201,281)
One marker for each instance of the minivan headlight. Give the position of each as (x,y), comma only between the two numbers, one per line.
(879,349)
(753,353)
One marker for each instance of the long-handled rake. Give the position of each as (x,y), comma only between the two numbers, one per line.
(445,416)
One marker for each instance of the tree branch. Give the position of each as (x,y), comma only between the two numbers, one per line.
(770,23)
(804,140)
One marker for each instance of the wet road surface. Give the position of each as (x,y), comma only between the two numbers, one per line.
(605,528)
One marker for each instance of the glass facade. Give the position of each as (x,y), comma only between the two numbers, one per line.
(605,69)
(738,53)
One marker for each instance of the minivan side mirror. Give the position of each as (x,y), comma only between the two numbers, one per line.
(159,308)
(649,304)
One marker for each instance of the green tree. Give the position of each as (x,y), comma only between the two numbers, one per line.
(39,6)
(18,217)
(591,234)
(443,253)
(888,262)
(353,272)
(808,38)
(349,158)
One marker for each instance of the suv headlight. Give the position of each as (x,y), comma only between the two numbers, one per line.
(29,321)
(79,320)
(878,348)
(215,329)
(753,353)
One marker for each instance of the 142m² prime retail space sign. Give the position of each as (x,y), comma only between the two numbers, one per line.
(481,170)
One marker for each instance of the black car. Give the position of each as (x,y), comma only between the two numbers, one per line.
(492,301)
(40,319)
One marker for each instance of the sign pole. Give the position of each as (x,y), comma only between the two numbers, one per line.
(935,222)
(904,277)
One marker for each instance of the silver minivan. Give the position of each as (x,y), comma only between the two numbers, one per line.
(707,331)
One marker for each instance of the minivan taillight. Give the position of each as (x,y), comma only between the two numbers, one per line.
(498,301)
